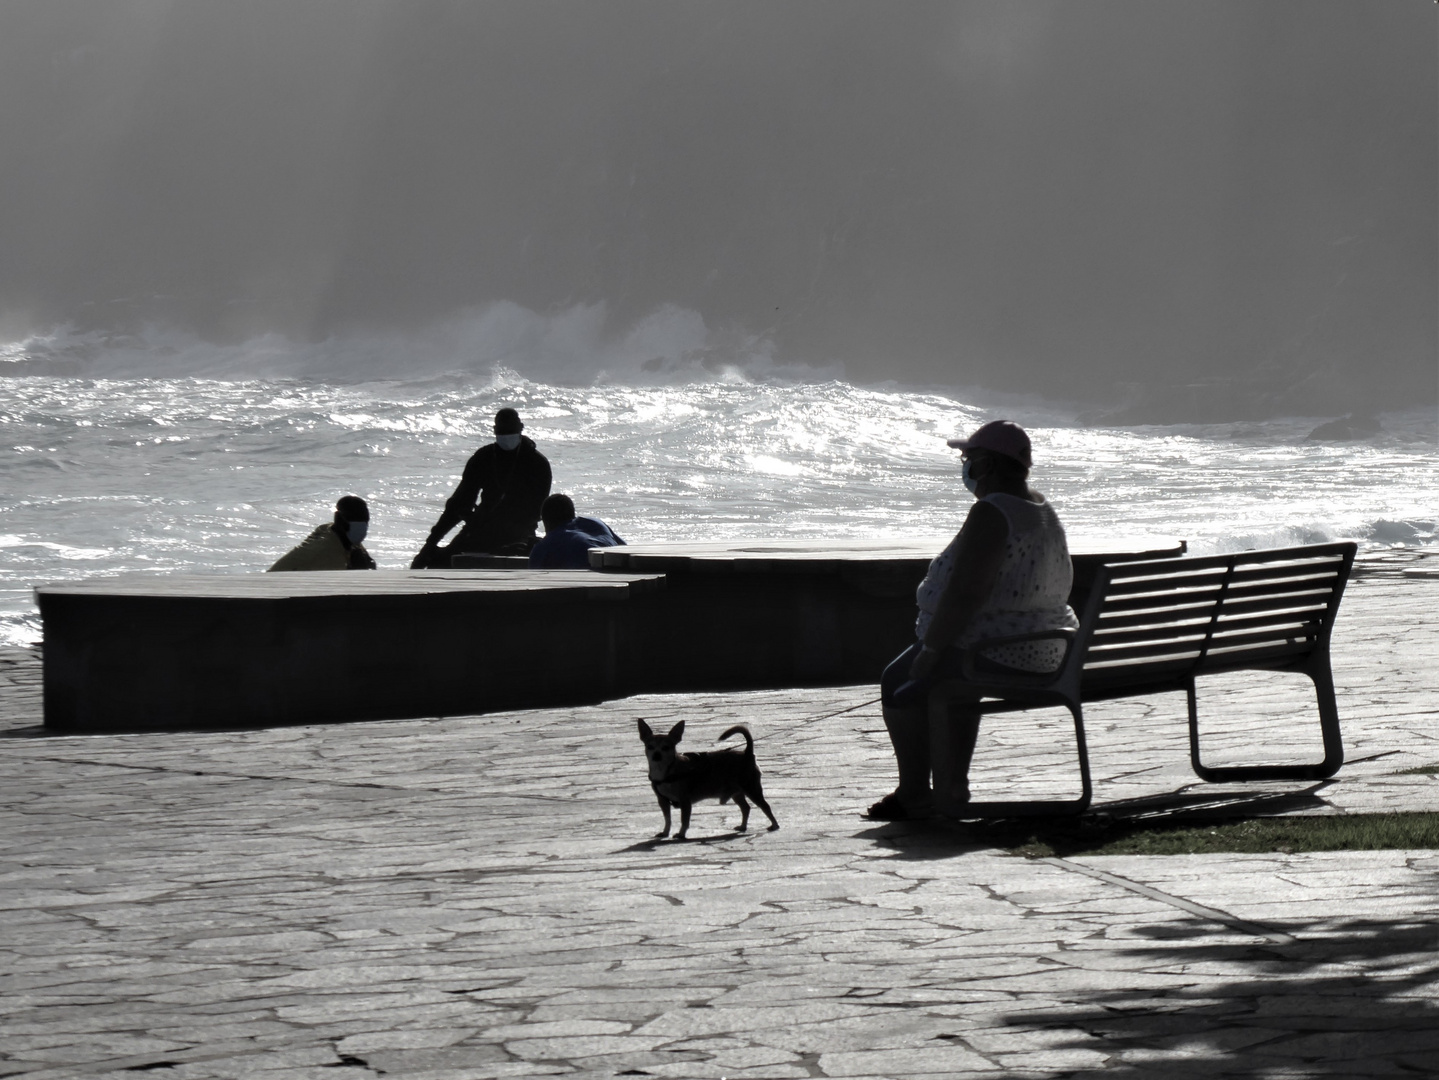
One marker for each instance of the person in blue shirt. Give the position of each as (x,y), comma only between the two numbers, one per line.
(568,538)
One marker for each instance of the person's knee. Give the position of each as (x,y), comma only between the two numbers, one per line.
(895,675)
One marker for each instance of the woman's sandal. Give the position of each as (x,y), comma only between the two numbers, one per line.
(888,808)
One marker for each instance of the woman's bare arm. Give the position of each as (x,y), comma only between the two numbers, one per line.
(977,559)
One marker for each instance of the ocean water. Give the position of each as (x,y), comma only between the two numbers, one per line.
(200,474)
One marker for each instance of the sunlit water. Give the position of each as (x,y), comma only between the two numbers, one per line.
(189,474)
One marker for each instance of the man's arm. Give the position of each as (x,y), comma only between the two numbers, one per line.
(459,505)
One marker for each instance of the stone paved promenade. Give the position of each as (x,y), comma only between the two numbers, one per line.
(481,897)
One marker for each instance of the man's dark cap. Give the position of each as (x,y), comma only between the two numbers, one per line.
(353,508)
(508,418)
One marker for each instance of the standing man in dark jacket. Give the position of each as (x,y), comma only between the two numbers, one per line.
(499,498)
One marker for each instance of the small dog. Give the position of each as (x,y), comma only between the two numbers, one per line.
(683,779)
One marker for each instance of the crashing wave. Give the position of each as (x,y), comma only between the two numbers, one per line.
(574,346)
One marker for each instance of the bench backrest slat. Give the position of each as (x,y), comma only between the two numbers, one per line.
(1275,656)
(1191,647)
(1213,569)
(1104,638)
(1158,585)
(1278,623)
(1121,673)
(1157,593)
(1177,617)
(1307,632)
(1150,579)
(1156,616)
(1300,638)
(1160,622)
(1197,627)
(1241,588)
(1161,601)
(1313,599)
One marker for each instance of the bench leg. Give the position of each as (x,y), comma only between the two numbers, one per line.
(1328,728)
(947,754)
(1323,679)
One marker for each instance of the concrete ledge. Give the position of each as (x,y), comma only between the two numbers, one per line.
(141,652)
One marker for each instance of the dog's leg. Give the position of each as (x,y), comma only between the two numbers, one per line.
(684,821)
(665,809)
(739,800)
(757,794)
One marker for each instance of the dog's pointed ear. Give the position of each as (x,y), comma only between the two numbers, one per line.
(645,732)
(677,732)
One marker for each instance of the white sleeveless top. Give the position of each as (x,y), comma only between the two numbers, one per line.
(1031,593)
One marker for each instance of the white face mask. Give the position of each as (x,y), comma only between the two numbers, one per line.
(508,442)
(356,531)
(969,481)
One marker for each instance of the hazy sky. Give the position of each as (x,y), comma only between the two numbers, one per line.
(1042,194)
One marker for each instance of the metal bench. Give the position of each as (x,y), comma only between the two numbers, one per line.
(1152,627)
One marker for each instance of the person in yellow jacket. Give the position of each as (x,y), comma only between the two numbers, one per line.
(335,545)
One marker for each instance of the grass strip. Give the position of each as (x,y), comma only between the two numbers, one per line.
(1327,832)
(1421,770)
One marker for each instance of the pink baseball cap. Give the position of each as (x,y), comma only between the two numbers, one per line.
(1001,437)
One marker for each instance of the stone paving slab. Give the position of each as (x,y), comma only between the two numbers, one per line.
(478,897)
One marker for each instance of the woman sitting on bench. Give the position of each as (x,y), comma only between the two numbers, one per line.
(1007,572)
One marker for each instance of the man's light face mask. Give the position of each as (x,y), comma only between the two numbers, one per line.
(356,531)
(508,442)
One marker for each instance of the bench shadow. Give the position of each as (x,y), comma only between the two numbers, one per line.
(1208,804)
(1347,998)
(942,839)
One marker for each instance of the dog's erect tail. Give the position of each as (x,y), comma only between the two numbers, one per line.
(740,729)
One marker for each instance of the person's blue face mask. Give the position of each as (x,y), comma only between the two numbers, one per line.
(508,442)
(969,481)
(356,531)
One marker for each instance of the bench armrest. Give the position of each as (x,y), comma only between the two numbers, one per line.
(972,650)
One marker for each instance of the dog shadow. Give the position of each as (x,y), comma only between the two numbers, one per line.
(656,842)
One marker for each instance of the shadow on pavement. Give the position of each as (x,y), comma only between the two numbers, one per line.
(1346,999)
(656,843)
(940,839)
(1208,804)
